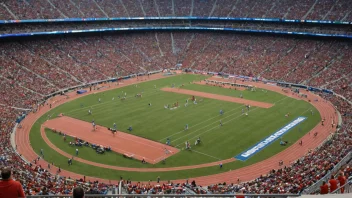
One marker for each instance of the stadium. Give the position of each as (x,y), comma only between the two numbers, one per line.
(179,98)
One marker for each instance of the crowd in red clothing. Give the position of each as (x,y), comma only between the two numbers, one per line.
(334,183)
(31,70)
(165,188)
(300,9)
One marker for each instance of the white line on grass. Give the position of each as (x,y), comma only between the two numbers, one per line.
(199,124)
(218,126)
(211,119)
(134,107)
(195,124)
(206,154)
(134,83)
(305,111)
(105,103)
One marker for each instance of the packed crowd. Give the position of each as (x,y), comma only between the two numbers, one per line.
(301,9)
(33,69)
(162,188)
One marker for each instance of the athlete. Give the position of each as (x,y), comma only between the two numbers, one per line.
(94,126)
(166,151)
(197,141)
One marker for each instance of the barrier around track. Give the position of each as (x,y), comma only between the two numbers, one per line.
(13,135)
(120,188)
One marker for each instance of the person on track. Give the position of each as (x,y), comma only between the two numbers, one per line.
(94,126)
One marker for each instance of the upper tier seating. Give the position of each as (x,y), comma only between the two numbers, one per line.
(287,9)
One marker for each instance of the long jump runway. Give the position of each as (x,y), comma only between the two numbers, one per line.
(124,143)
(218,97)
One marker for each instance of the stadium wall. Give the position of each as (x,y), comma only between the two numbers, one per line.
(175,18)
(176,28)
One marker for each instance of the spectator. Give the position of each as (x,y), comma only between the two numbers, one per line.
(324,188)
(8,187)
(342,181)
(333,183)
(78,192)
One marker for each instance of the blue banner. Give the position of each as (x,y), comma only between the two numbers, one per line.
(82,91)
(328,91)
(314,89)
(268,140)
